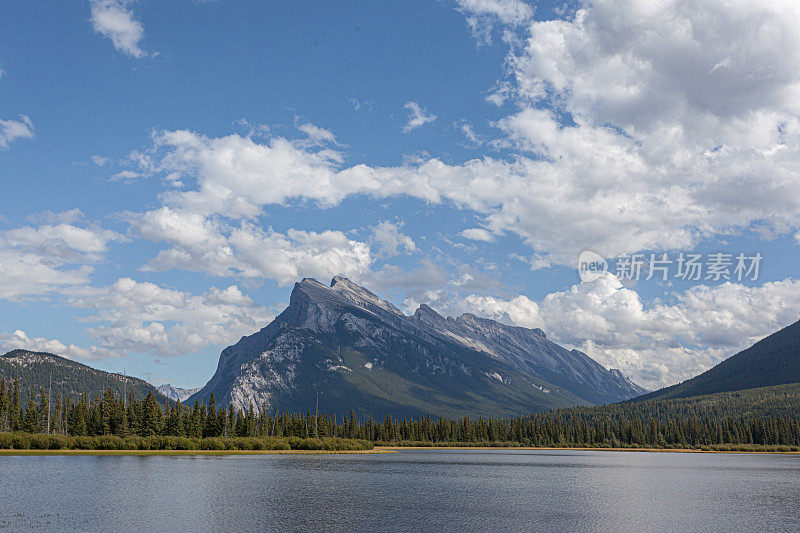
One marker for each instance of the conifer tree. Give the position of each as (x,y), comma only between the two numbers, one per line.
(14,411)
(30,422)
(4,404)
(210,429)
(44,409)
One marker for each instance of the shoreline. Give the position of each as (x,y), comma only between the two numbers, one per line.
(568,448)
(377,450)
(6,452)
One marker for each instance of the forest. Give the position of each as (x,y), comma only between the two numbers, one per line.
(752,419)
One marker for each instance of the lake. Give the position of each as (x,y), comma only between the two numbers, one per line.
(413,490)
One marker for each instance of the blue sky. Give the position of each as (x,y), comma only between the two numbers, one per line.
(169,169)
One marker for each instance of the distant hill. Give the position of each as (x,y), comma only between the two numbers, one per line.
(348,348)
(34,369)
(774,360)
(176,393)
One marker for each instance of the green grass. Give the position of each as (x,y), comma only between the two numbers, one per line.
(190,452)
(718,448)
(112,443)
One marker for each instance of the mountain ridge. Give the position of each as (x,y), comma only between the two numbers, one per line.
(328,335)
(177,394)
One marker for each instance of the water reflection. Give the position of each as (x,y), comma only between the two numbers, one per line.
(414,490)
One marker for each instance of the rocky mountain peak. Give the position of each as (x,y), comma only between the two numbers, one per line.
(361,296)
(342,294)
(177,394)
(426,313)
(344,282)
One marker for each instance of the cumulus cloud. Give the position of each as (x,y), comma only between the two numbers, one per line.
(678,111)
(19,340)
(50,258)
(137,317)
(60,242)
(236,175)
(116,21)
(659,343)
(390,240)
(245,250)
(29,275)
(417,116)
(11,130)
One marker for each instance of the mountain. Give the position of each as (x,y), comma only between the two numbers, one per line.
(34,370)
(346,348)
(176,393)
(774,360)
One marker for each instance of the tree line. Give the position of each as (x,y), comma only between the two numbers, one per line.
(646,424)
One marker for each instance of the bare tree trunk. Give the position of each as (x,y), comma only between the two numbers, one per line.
(49,399)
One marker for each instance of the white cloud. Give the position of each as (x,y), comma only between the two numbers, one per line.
(29,275)
(473,139)
(60,242)
(477,234)
(417,116)
(73,216)
(681,110)
(317,135)
(139,317)
(482,14)
(127,176)
(245,250)
(11,130)
(114,20)
(19,340)
(658,343)
(236,175)
(361,104)
(50,258)
(390,240)
(506,11)
(99,160)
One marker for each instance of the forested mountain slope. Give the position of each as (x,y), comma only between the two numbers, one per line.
(34,371)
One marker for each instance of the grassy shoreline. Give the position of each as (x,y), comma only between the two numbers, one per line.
(375,450)
(6,452)
(38,442)
(589,449)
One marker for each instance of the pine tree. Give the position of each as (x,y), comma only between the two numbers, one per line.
(44,410)
(210,429)
(15,414)
(151,416)
(30,422)
(4,404)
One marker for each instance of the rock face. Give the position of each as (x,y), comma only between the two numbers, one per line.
(176,393)
(345,347)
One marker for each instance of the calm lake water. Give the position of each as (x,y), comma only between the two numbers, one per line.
(414,490)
